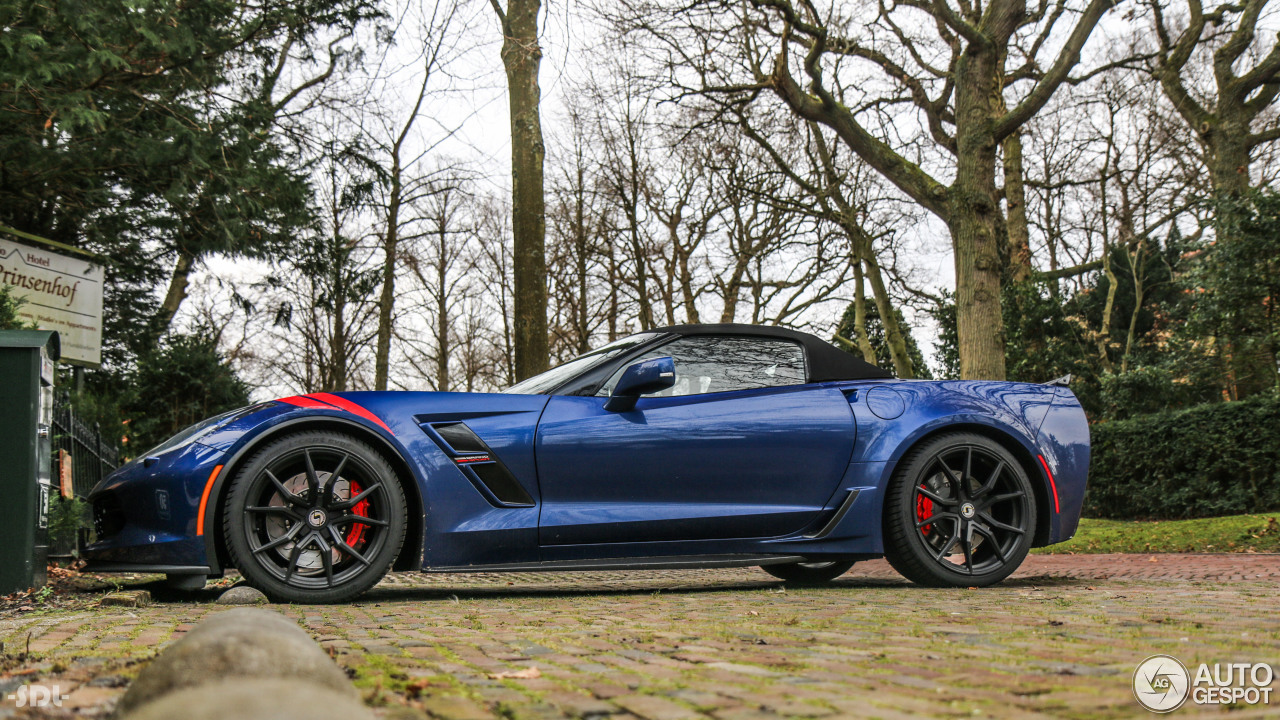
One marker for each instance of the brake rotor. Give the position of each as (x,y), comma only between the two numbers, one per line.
(310,562)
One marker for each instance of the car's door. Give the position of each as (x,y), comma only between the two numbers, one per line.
(739,447)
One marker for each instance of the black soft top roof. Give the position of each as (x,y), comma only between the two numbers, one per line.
(825,361)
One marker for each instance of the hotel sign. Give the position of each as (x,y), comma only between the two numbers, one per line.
(61,292)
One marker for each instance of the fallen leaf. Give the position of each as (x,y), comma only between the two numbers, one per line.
(529,673)
(415,689)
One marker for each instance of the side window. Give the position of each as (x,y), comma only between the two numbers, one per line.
(710,364)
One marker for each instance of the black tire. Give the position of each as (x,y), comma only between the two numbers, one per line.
(809,573)
(959,512)
(314,517)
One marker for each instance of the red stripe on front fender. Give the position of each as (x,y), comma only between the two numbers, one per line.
(350,407)
(305,402)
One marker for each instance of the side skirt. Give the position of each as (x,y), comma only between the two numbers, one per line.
(122,567)
(629,563)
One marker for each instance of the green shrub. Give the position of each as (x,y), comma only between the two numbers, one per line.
(9,307)
(1206,461)
(66,517)
(1137,392)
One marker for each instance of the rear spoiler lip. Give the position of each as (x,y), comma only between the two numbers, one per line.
(1064,381)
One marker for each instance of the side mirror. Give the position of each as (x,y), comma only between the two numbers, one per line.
(642,378)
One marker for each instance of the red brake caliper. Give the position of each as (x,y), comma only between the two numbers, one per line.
(356,533)
(924,511)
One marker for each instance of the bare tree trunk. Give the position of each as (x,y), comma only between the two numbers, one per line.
(582,326)
(973,214)
(391,244)
(902,363)
(1103,340)
(521,56)
(860,315)
(864,248)
(638,255)
(1015,199)
(177,292)
(1252,370)
(686,290)
(613,293)
(338,342)
(1139,292)
(387,298)
(442,303)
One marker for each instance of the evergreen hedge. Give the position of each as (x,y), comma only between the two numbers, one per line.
(1206,461)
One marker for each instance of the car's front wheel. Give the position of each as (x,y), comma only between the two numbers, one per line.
(806,573)
(959,512)
(315,517)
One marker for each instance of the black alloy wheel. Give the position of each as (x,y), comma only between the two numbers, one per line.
(960,512)
(809,573)
(315,517)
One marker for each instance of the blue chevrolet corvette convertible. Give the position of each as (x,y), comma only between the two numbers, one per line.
(687,446)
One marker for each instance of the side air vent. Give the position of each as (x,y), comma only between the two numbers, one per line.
(836,517)
(501,483)
(460,438)
(478,463)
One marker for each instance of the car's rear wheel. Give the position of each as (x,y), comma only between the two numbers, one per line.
(960,512)
(315,517)
(809,572)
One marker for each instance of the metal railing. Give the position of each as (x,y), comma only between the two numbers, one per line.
(92,457)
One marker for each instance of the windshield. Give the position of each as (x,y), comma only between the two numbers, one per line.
(557,376)
(188,434)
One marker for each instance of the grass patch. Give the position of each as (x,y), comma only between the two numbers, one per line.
(1235,533)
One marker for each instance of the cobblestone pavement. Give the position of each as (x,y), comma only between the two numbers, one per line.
(1060,639)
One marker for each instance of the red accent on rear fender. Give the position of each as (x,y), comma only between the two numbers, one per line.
(350,407)
(1057,507)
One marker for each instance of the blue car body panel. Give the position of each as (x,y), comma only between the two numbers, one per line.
(753,463)
(797,471)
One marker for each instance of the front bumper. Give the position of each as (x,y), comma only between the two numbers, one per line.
(147,515)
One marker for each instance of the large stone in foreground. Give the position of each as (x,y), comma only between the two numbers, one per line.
(242,595)
(247,643)
(245,699)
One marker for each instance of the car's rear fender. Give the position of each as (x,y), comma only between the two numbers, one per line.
(1009,413)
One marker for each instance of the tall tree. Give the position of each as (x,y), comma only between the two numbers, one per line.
(147,131)
(947,61)
(403,184)
(521,56)
(1229,116)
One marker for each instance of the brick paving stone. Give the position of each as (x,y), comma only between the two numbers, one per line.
(1059,639)
(455,708)
(652,707)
